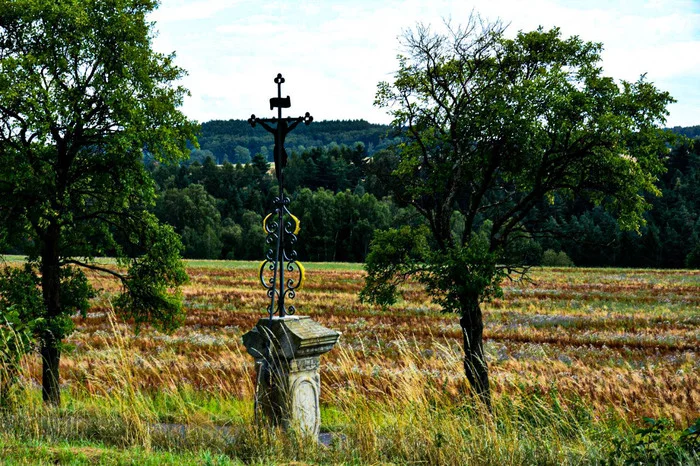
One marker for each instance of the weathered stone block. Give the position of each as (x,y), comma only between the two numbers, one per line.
(287,352)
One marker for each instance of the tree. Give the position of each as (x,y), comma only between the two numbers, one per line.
(254,245)
(241,154)
(231,239)
(193,214)
(318,213)
(20,309)
(82,99)
(491,127)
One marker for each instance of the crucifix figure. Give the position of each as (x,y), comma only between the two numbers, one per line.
(284,126)
(280,226)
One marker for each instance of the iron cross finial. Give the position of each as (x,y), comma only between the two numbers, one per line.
(278,101)
(283,125)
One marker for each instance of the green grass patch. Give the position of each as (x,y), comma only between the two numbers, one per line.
(223,264)
(38,452)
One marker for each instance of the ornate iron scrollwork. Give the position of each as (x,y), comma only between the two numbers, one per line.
(281,228)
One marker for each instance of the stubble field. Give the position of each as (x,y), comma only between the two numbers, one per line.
(581,347)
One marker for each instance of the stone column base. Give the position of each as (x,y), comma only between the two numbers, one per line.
(287,354)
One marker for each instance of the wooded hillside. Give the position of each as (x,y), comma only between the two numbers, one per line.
(335,181)
(236,142)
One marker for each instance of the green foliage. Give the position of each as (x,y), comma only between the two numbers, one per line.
(82,99)
(254,240)
(451,277)
(21,307)
(218,210)
(20,293)
(688,131)
(148,297)
(21,301)
(690,438)
(76,292)
(463,272)
(235,141)
(556,259)
(692,260)
(590,235)
(523,249)
(260,164)
(231,239)
(194,215)
(659,443)
(333,167)
(395,255)
(495,127)
(337,227)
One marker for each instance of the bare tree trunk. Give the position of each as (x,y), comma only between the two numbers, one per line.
(475,366)
(50,356)
(50,342)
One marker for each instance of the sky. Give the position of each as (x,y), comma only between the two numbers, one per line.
(333,53)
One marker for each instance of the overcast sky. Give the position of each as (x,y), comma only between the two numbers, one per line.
(333,53)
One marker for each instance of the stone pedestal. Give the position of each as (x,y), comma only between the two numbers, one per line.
(287,354)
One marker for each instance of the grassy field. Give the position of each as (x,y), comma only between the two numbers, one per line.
(578,358)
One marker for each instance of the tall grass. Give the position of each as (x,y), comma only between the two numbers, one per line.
(423,423)
(413,419)
(576,362)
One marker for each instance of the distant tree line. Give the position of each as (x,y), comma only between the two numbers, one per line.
(218,209)
(236,142)
(692,132)
(670,239)
(338,193)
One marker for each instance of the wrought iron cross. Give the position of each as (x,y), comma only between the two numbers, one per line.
(280,226)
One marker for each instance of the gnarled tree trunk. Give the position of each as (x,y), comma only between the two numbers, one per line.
(474,359)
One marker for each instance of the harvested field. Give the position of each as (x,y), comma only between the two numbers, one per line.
(620,340)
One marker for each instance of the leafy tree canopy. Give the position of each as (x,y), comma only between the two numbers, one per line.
(82,98)
(493,127)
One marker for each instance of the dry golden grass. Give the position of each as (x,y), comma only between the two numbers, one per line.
(620,340)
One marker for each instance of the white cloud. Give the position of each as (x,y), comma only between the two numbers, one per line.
(333,53)
(185,10)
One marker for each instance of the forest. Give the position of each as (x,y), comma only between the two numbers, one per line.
(336,179)
(236,142)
